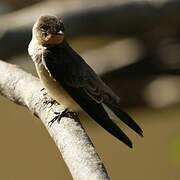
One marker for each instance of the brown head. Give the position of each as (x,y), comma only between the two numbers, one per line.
(48,30)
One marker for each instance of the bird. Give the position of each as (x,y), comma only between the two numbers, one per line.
(70,81)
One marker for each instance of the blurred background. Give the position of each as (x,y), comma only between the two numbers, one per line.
(135,47)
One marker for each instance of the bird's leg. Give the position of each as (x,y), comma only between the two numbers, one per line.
(65,113)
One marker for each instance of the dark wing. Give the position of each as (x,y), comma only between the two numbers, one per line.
(67,67)
(97,112)
(83,76)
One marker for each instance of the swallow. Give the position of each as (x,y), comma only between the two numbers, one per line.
(70,81)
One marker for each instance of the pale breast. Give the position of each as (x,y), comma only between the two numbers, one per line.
(54,89)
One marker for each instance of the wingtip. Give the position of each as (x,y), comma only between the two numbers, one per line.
(128,121)
(141,133)
(128,142)
(138,130)
(130,145)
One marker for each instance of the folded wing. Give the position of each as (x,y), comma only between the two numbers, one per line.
(87,89)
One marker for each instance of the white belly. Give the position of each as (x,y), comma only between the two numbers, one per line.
(54,89)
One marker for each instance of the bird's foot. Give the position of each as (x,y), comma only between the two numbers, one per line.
(47,99)
(65,113)
(50,101)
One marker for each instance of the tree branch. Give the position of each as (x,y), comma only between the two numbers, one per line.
(69,135)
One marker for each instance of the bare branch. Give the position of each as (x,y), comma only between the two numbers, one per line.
(69,135)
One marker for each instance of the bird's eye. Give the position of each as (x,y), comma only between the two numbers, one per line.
(45,27)
(61,27)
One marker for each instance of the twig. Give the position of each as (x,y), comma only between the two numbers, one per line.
(71,139)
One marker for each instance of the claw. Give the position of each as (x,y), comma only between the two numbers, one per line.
(42,89)
(58,116)
(51,102)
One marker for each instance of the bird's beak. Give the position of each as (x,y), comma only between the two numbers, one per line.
(60,32)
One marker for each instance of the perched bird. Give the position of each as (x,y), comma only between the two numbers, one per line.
(69,80)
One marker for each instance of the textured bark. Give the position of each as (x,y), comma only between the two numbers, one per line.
(71,139)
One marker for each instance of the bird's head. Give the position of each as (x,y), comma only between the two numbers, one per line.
(48,30)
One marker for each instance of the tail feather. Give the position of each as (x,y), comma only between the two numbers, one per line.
(125,118)
(99,114)
(113,129)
